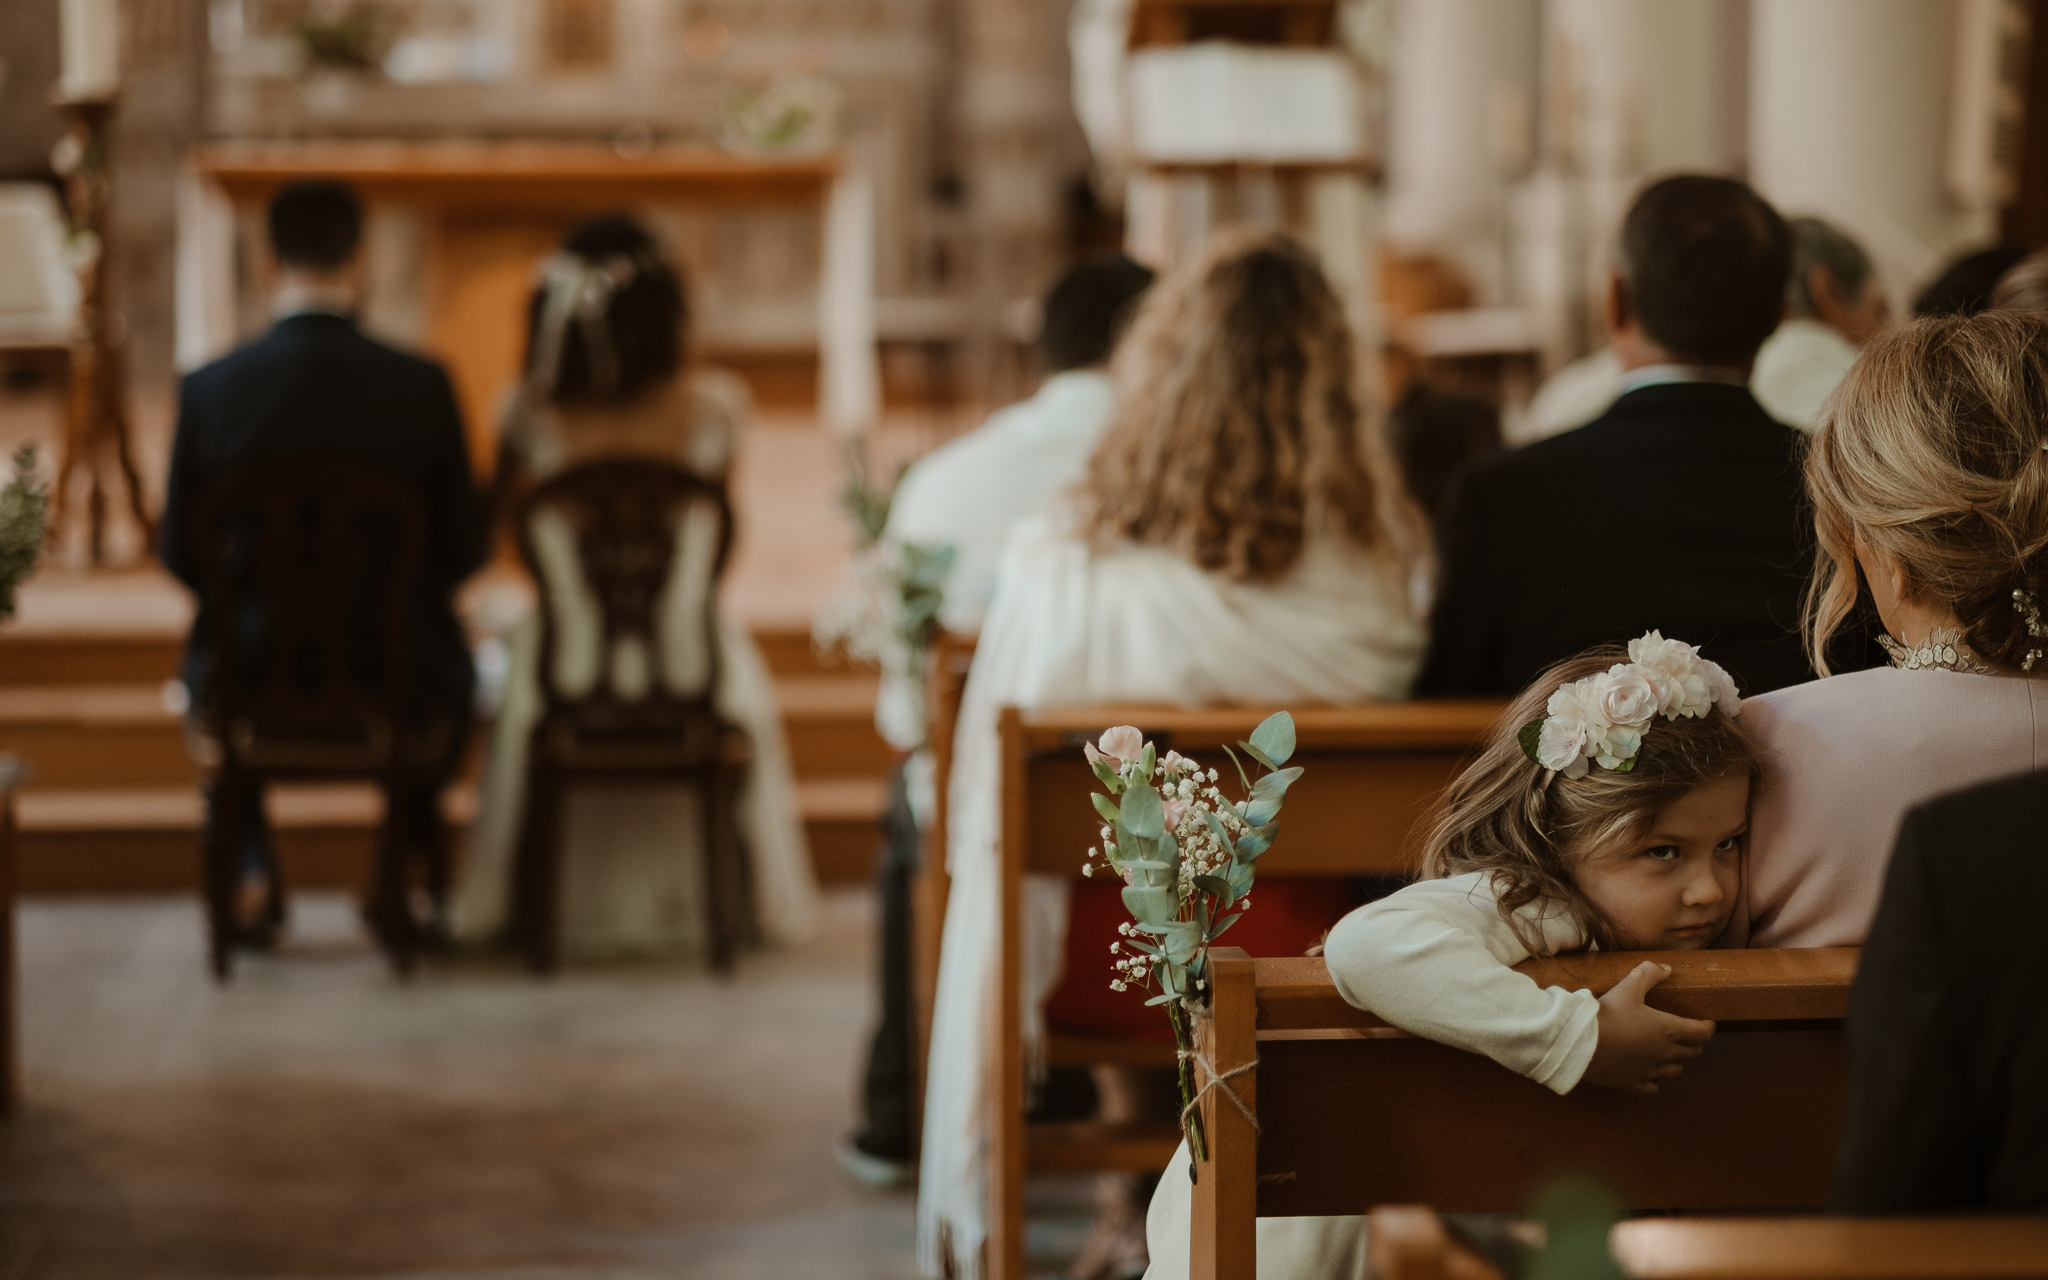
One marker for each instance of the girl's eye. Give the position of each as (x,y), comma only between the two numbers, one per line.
(1730,845)
(1663,853)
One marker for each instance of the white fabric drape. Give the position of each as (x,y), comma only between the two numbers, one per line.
(1069,625)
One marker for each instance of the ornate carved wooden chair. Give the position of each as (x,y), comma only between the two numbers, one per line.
(628,554)
(307,572)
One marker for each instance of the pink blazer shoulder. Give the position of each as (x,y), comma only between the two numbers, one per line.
(1845,758)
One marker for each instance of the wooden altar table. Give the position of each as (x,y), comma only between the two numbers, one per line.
(490,211)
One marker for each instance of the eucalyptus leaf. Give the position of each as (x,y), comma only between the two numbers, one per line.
(1216,828)
(1147,761)
(1105,772)
(1104,806)
(1255,842)
(1225,924)
(1161,998)
(1214,885)
(1275,737)
(1274,785)
(1257,755)
(1149,904)
(1260,812)
(1141,813)
(1239,765)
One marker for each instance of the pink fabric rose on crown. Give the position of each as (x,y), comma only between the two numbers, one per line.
(1601,719)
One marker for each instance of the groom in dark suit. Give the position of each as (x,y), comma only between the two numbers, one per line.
(1680,509)
(315,388)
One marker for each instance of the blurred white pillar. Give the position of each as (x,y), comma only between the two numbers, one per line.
(1461,81)
(1632,92)
(1850,119)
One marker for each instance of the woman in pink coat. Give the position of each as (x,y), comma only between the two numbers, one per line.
(1929,475)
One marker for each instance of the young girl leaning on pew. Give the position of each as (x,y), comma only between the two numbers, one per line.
(1609,811)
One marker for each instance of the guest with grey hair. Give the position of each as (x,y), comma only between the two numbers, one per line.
(1833,305)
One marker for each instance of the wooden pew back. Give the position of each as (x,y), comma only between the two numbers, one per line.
(1353,1112)
(1832,1248)
(1372,772)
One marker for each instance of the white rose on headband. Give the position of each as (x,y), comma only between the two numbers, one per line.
(1726,695)
(1677,671)
(1572,724)
(1627,696)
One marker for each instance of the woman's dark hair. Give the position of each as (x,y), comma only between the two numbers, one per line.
(1437,436)
(643,325)
(1964,286)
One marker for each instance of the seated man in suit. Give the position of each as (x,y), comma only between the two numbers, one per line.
(1681,508)
(1948,1023)
(315,388)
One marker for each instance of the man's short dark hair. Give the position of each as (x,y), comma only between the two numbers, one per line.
(1086,310)
(315,226)
(1704,262)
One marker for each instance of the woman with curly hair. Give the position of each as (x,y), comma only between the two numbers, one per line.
(1238,538)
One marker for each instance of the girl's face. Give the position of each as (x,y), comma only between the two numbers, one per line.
(1672,887)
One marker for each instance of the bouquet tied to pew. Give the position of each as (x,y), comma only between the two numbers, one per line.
(1187,855)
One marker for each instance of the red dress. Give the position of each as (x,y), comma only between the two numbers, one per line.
(1287,918)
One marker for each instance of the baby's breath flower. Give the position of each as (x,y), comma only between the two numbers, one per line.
(1087,868)
(1116,985)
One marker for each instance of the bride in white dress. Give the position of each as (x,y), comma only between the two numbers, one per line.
(605,378)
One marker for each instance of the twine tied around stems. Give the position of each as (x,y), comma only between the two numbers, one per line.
(1218,1080)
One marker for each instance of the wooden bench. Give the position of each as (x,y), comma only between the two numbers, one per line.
(1832,1248)
(946,665)
(1371,774)
(1411,1243)
(1354,1113)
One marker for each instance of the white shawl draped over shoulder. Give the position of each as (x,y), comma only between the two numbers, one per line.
(1139,624)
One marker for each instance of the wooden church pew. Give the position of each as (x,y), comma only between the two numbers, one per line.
(1354,1113)
(1958,1248)
(1371,774)
(946,665)
(1406,1242)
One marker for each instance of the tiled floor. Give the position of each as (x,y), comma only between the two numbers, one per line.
(317,1118)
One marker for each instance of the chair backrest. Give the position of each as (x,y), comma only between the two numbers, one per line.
(1353,1113)
(628,554)
(308,569)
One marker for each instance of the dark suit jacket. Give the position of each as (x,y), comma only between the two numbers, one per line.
(1948,1021)
(1680,509)
(316,388)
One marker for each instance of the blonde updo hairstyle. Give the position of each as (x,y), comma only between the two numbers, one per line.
(1528,829)
(1238,432)
(1932,451)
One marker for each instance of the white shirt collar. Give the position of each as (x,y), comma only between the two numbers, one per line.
(313,299)
(1654,375)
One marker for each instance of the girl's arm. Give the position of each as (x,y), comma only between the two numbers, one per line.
(1435,960)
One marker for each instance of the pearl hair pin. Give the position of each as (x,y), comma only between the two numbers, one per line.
(2029,609)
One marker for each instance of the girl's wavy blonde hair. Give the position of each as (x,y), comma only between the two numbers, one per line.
(1508,816)
(1933,451)
(1238,433)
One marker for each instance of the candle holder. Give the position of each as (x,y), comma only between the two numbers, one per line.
(96,425)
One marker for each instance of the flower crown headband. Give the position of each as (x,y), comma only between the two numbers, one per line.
(1602,718)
